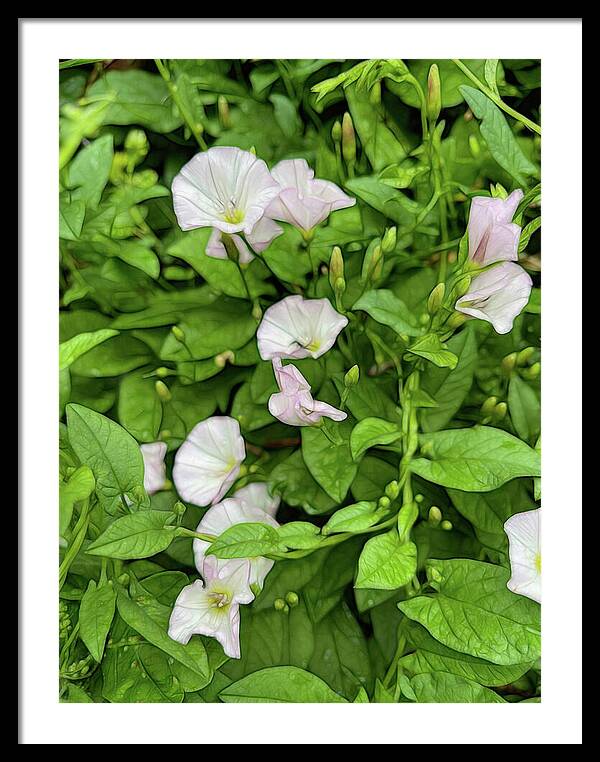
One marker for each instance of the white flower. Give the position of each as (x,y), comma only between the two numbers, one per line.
(493,237)
(524,550)
(214,609)
(497,295)
(224,188)
(294,404)
(303,201)
(296,327)
(257,495)
(261,236)
(155,472)
(219,518)
(208,462)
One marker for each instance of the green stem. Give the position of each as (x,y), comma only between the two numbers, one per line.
(496,98)
(194,126)
(79,533)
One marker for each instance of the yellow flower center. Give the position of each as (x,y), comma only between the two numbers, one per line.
(313,346)
(233,216)
(538,562)
(219,600)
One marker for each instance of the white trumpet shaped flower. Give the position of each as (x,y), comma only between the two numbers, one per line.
(524,550)
(296,327)
(208,462)
(224,188)
(493,237)
(213,607)
(263,233)
(155,472)
(220,517)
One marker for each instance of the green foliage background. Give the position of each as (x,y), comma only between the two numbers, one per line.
(362,630)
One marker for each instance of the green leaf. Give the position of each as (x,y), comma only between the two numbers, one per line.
(95,617)
(387,309)
(444,688)
(477,459)
(385,563)
(373,474)
(475,613)
(353,518)
(89,171)
(449,387)
(371,432)
(72,349)
(139,408)
(71,215)
(280,685)
(300,535)
(114,356)
(431,348)
(377,140)
(139,675)
(527,232)
(139,535)
(247,540)
(79,487)
(113,455)
(292,480)
(524,408)
(498,135)
(331,465)
(370,398)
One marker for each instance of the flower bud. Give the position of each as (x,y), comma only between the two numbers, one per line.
(292,598)
(179,508)
(533,372)
(436,298)
(224,115)
(253,468)
(499,412)
(336,266)
(474,146)
(336,131)
(434,93)
(424,318)
(525,355)
(178,333)
(388,242)
(489,406)
(163,372)
(222,359)
(462,286)
(348,139)
(117,169)
(351,377)
(384,502)
(456,320)
(419,498)
(123,579)
(392,490)
(508,363)
(136,147)
(165,434)
(435,515)
(162,390)
(279,604)
(257,311)
(446,525)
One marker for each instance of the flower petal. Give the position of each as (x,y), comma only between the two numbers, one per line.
(155,472)
(257,495)
(523,531)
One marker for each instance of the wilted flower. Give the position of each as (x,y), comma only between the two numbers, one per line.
(261,236)
(497,295)
(208,462)
(294,404)
(257,495)
(492,235)
(303,201)
(219,518)
(224,188)
(296,327)
(155,472)
(523,531)
(213,609)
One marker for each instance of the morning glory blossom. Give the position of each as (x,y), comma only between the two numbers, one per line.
(155,472)
(296,327)
(263,233)
(294,404)
(303,201)
(223,188)
(497,295)
(208,462)
(257,495)
(493,237)
(220,517)
(213,608)
(524,550)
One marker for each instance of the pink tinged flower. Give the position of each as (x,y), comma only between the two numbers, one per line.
(294,404)
(263,233)
(497,295)
(493,237)
(523,531)
(155,472)
(213,608)
(257,495)
(208,462)
(303,201)
(296,327)
(215,521)
(224,188)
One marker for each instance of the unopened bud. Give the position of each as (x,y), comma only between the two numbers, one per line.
(489,406)
(498,191)
(257,311)
(162,391)
(163,372)
(424,318)
(339,286)
(165,434)
(253,468)
(533,372)
(123,579)
(279,604)
(436,298)
(456,320)
(435,515)
(351,377)
(525,355)
(336,131)
(434,93)
(474,146)
(348,139)
(336,266)
(136,147)
(224,115)
(392,490)
(178,333)
(508,363)
(499,411)
(446,525)
(463,286)
(179,508)
(222,359)
(384,502)
(388,242)
(419,498)
(292,598)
